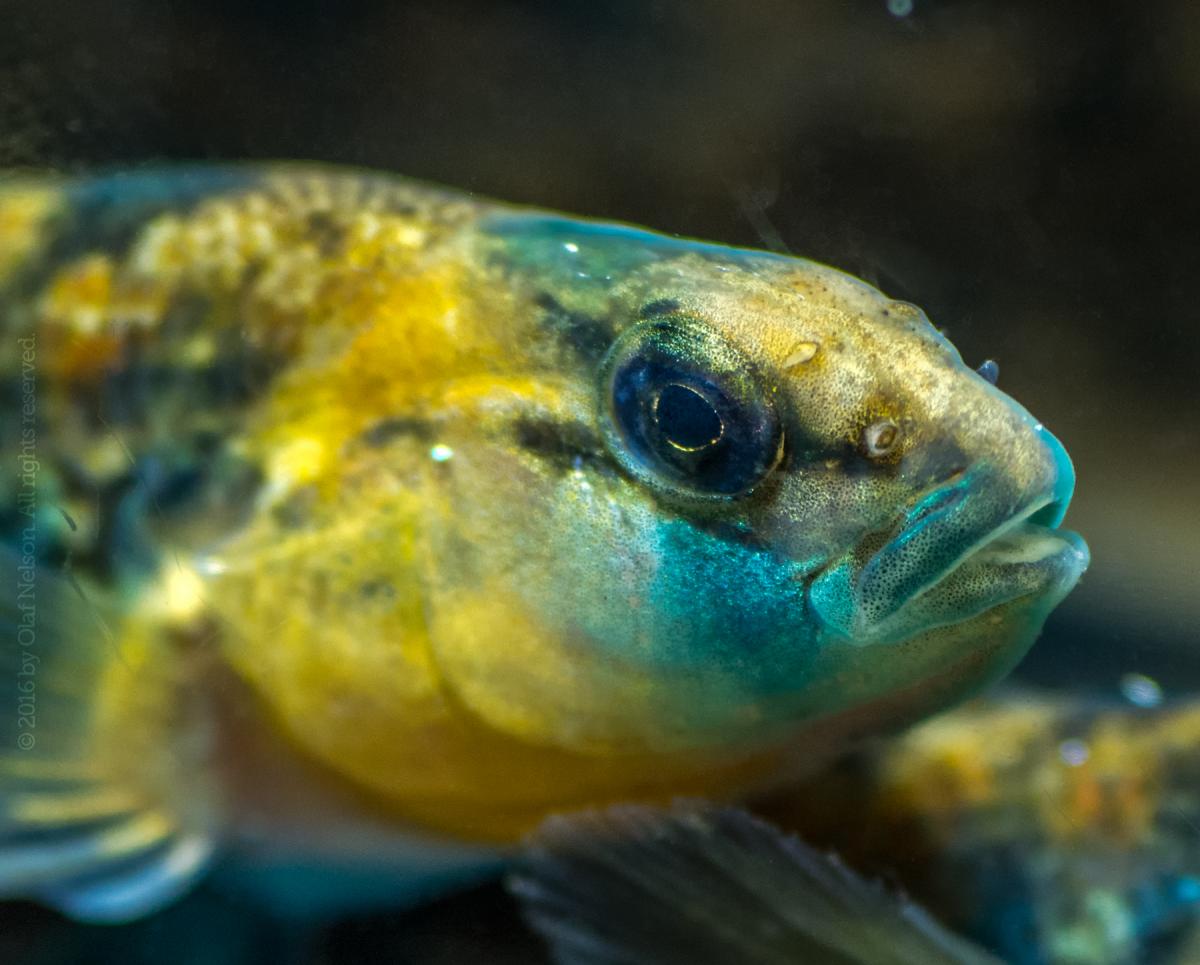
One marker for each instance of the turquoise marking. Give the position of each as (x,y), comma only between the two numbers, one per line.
(578,258)
(1064,486)
(317,889)
(705,601)
(831,599)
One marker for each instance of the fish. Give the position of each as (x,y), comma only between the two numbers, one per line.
(1052,827)
(1043,827)
(354,524)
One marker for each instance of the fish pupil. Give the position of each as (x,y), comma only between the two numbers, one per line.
(686,419)
(687,412)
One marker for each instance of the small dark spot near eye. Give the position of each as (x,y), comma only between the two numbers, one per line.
(664,306)
(565,444)
(541,436)
(386,430)
(584,336)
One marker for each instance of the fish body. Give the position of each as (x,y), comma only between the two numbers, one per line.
(372,521)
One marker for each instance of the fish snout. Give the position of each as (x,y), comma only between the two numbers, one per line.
(1018,481)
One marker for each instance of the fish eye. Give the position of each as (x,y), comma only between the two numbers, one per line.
(685,411)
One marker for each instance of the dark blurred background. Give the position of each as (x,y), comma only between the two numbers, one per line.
(1027,172)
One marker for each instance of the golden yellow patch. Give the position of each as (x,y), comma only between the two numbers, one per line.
(958,762)
(88,312)
(78,299)
(25,214)
(1113,792)
(74,320)
(387,342)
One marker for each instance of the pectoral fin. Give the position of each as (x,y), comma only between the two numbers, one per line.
(703,885)
(71,834)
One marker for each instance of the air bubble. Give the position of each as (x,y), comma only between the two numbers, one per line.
(1074,753)
(1140,690)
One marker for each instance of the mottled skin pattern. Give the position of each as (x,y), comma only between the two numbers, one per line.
(1057,829)
(344,473)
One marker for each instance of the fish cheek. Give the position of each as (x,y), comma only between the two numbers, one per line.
(881,688)
(573,611)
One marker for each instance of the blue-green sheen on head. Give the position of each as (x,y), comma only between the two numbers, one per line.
(757,494)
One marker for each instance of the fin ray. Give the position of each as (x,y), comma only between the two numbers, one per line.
(139,889)
(26,868)
(704,885)
(71,835)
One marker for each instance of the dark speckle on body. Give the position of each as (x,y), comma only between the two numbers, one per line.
(585,337)
(386,431)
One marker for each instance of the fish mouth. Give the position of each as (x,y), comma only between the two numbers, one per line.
(1023,558)
(971,545)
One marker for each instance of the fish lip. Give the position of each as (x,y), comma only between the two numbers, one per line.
(1043,509)
(1035,522)
(1046,509)
(937,508)
(881,595)
(1059,567)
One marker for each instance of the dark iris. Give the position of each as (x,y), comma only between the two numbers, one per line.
(687,411)
(686,419)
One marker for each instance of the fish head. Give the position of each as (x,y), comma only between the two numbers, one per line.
(748,494)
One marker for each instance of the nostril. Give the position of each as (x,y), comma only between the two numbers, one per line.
(880,439)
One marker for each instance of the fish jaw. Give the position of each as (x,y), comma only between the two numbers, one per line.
(983,538)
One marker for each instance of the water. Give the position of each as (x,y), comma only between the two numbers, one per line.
(1024,173)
